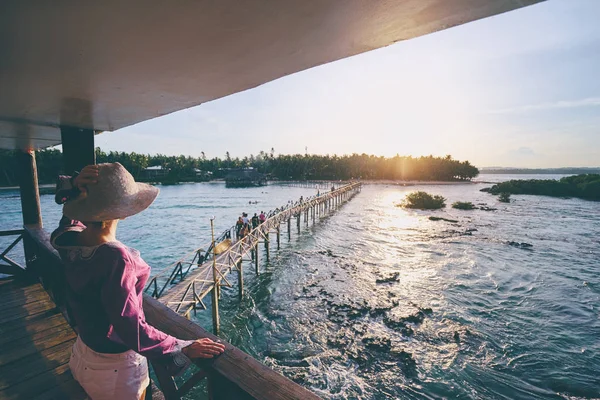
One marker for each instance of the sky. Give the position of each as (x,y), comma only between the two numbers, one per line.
(521,89)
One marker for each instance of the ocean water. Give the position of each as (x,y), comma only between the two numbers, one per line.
(378,302)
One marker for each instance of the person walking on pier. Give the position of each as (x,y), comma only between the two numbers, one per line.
(105,283)
(254,221)
(239,226)
(262,217)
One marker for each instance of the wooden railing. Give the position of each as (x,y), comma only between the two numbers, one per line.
(233,375)
(11,267)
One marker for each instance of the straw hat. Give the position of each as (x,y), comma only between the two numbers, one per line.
(116,195)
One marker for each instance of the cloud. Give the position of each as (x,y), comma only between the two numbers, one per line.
(588,102)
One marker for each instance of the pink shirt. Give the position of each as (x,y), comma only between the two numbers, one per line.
(105,287)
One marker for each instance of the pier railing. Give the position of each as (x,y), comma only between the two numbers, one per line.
(177,271)
(11,267)
(233,375)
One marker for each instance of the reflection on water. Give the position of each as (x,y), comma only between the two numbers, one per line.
(378,302)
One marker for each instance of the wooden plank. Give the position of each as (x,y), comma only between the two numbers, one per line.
(11,332)
(32,344)
(17,298)
(10,314)
(13,232)
(41,384)
(15,283)
(35,364)
(23,324)
(69,389)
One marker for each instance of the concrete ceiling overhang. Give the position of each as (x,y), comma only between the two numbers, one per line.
(104,65)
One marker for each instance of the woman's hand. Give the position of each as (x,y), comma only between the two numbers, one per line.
(203,348)
(87,176)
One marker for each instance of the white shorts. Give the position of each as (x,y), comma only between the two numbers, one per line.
(122,376)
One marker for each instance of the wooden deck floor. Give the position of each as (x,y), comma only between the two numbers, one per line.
(35,345)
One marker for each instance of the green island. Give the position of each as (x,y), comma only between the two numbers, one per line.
(423,201)
(463,205)
(175,169)
(584,186)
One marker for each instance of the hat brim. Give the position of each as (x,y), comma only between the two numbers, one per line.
(83,209)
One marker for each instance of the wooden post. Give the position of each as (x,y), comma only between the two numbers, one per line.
(298,222)
(30,197)
(278,239)
(267,245)
(78,148)
(28,184)
(240,279)
(256,258)
(289,229)
(215,290)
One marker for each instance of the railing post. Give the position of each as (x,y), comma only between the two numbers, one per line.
(215,289)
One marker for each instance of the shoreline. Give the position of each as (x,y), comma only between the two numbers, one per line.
(415,183)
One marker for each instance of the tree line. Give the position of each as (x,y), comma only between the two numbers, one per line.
(584,186)
(282,167)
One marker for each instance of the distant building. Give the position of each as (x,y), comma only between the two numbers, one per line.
(202,176)
(244,177)
(156,172)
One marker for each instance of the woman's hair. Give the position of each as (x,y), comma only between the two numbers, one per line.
(96,224)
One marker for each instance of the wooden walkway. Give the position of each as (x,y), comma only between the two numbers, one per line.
(198,282)
(35,345)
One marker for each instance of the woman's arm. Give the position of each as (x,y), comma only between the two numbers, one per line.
(69,188)
(125,311)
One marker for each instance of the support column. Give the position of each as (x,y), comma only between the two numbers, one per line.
(240,279)
(298,221)
(78,148)
(267,242)
(289,229)
(215,290)
(215,309)
(278,238)
(256,258)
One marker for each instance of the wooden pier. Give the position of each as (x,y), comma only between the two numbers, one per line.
(326,185)
(206,273)
(35,345)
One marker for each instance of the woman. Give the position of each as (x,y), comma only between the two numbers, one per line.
(105,281)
